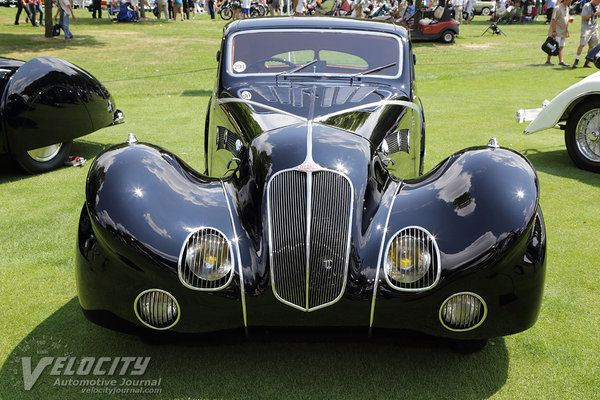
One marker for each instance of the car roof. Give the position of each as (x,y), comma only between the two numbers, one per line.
(314,22)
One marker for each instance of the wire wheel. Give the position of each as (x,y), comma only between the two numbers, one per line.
(582,136)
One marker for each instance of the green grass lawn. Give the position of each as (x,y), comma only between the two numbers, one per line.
(161,75)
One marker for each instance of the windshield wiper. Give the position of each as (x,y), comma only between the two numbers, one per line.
(293,71)
(371,71)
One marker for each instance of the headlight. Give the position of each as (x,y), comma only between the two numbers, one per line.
(207,260)
(412,260)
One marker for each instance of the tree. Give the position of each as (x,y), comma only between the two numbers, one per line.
(48,18)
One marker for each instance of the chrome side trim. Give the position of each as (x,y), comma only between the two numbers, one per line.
(376,104)
(239,260)
(376,282)
(257,104)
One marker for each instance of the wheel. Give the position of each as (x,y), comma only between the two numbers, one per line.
(43,159)
(447,37)
(468,346)
(254,13)
(226,13)
(582,135)
(485,11)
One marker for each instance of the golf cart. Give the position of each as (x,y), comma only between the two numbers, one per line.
(436,24)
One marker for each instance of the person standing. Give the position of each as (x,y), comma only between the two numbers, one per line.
(211,8)
(550,5)
(65,10)
(21,5)
(245,8)
(177,9)
(162,8)
(559,29)
(589,30)
(470,11)
(33,8)
(458,10)
(97,8)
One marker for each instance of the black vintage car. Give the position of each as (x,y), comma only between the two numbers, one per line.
(313,209)
(45,103)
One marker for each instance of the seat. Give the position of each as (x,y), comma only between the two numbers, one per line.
(438,13)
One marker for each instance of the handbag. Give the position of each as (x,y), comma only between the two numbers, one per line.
(56,30)
(550,46)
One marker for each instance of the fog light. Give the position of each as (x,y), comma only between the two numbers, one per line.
(463,312)
(157,309)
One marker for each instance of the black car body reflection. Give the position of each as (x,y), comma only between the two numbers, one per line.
(313,209)
(46,103)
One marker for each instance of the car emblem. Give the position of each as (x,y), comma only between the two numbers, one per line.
(309,167)
(327,264)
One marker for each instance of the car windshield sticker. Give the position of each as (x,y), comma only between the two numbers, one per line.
(239,66)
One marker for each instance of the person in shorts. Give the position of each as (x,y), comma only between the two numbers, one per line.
(245,8)
(589,30)
(559,29)
(275,7)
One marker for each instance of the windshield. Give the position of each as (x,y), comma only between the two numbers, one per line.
(328,52)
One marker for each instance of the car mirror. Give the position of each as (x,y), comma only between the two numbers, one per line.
(414,59)
(218,55)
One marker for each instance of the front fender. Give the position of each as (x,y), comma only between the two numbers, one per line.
(481,205)
(142,202)
(555,111)
(472,203)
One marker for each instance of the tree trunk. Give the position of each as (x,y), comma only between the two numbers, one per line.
(142,4)
(48,18)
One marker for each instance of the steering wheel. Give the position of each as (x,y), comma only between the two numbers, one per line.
(255,63)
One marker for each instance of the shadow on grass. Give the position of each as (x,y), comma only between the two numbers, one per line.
(196,93)
(10,172)
(39,43)
(265,367)
(558,163)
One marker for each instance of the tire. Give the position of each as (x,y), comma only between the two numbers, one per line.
(43,159)
(254,13)
(447,37)
(582,135)
(468,346)
(226,13)
(485,11)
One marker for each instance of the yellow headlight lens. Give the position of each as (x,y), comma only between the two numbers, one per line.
(208,258)
(408,259)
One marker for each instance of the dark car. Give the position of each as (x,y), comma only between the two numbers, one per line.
(312,209)
(45,103)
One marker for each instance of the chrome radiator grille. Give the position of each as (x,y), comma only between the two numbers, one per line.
(309,219)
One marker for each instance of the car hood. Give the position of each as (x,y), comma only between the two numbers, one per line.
(368,110)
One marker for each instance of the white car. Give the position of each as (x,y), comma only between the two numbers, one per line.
(576,111)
